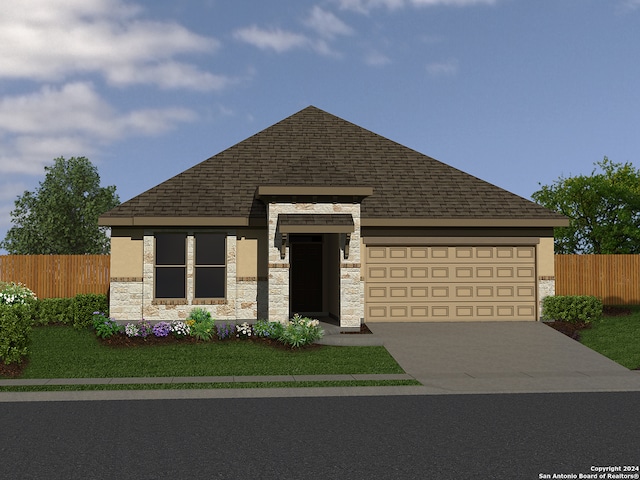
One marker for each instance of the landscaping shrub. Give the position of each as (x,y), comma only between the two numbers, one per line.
(12,293)
(84,304)
(267,329)
(225,330)
(300,331)
(53,310)
(203,330)
(105,327)
(199,315)
(572,308)
(15,327)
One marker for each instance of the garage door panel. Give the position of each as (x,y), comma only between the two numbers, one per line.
(449,312)
(441,283)
(401,254)
(386,293)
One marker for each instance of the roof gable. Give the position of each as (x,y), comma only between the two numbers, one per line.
(313,148)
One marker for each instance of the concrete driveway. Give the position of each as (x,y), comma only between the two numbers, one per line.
(500,357)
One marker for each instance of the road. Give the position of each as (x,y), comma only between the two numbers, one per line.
(522,436)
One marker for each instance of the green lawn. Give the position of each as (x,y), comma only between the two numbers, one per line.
(62,352)
(617,338)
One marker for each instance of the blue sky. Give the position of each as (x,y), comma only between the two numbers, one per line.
(516,92)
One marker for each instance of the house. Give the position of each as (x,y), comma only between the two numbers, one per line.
(319,216)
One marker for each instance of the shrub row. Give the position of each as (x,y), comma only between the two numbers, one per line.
(572,308)
(20,310)
(76,311)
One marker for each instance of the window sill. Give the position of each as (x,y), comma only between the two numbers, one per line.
(169,301)
(209,301)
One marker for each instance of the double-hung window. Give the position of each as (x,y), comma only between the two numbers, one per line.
(171,266)
(210,261)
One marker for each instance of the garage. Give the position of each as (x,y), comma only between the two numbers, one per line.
(418,283)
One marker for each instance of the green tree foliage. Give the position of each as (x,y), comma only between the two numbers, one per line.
(61,216)
(604,209)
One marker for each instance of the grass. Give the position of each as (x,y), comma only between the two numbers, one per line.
(617,338)
(62,352)
(187,386)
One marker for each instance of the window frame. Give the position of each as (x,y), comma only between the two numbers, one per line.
(156,265)
(190,267)
(197,265)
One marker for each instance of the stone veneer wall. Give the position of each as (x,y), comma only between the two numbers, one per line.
(546,287)
(351,284)
(132,299)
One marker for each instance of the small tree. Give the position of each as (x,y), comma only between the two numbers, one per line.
(61,216)
(604,209)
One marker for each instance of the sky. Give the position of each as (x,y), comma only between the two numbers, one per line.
(515,92)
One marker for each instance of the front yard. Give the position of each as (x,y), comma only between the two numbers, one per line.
(65,352)
(616,337)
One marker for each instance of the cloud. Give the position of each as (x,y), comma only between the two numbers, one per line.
(629,5)
(365,6)
(376,59)
(51,41)
(326,24)
(39,126)
(440,69)
(271,39)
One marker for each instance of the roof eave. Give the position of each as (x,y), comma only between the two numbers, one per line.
(464,222)
(174,221)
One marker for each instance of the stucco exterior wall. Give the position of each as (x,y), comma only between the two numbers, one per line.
(126,253)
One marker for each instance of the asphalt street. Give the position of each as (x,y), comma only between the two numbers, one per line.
(512,436)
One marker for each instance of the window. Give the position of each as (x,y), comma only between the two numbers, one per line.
(210,260)
(170,278)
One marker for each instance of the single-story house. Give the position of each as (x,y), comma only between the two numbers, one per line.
(316,215)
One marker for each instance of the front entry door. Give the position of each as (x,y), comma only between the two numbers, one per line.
(306,274)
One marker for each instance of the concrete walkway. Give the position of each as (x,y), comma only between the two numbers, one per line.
(447,358)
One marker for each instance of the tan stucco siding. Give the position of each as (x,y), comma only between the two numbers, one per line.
(252,254)
(545,258)
(126,254)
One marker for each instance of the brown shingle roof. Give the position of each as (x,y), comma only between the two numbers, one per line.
(315,148)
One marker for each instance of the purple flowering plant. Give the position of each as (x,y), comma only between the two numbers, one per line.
(162,329)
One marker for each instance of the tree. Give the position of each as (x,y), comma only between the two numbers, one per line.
(604,209)
(61,216)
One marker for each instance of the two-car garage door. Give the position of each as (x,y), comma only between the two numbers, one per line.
(449,283)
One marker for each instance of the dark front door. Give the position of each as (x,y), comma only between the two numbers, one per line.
(306,274)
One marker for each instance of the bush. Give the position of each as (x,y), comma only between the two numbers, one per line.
(199,315)
(267,329)
(572,308)
(53,310)
(105,327)
(203,330)
(15,327)
(12,293)
(300,331)
(84,304)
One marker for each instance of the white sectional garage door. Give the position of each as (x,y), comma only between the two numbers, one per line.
(449,283)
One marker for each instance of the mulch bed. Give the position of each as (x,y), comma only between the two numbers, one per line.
(13,370)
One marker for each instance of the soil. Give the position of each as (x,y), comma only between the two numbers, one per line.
(13,370)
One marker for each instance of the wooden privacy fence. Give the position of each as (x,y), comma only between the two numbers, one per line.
(613,278)
(57,276)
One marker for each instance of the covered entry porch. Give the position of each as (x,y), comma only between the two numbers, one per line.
(314,253)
